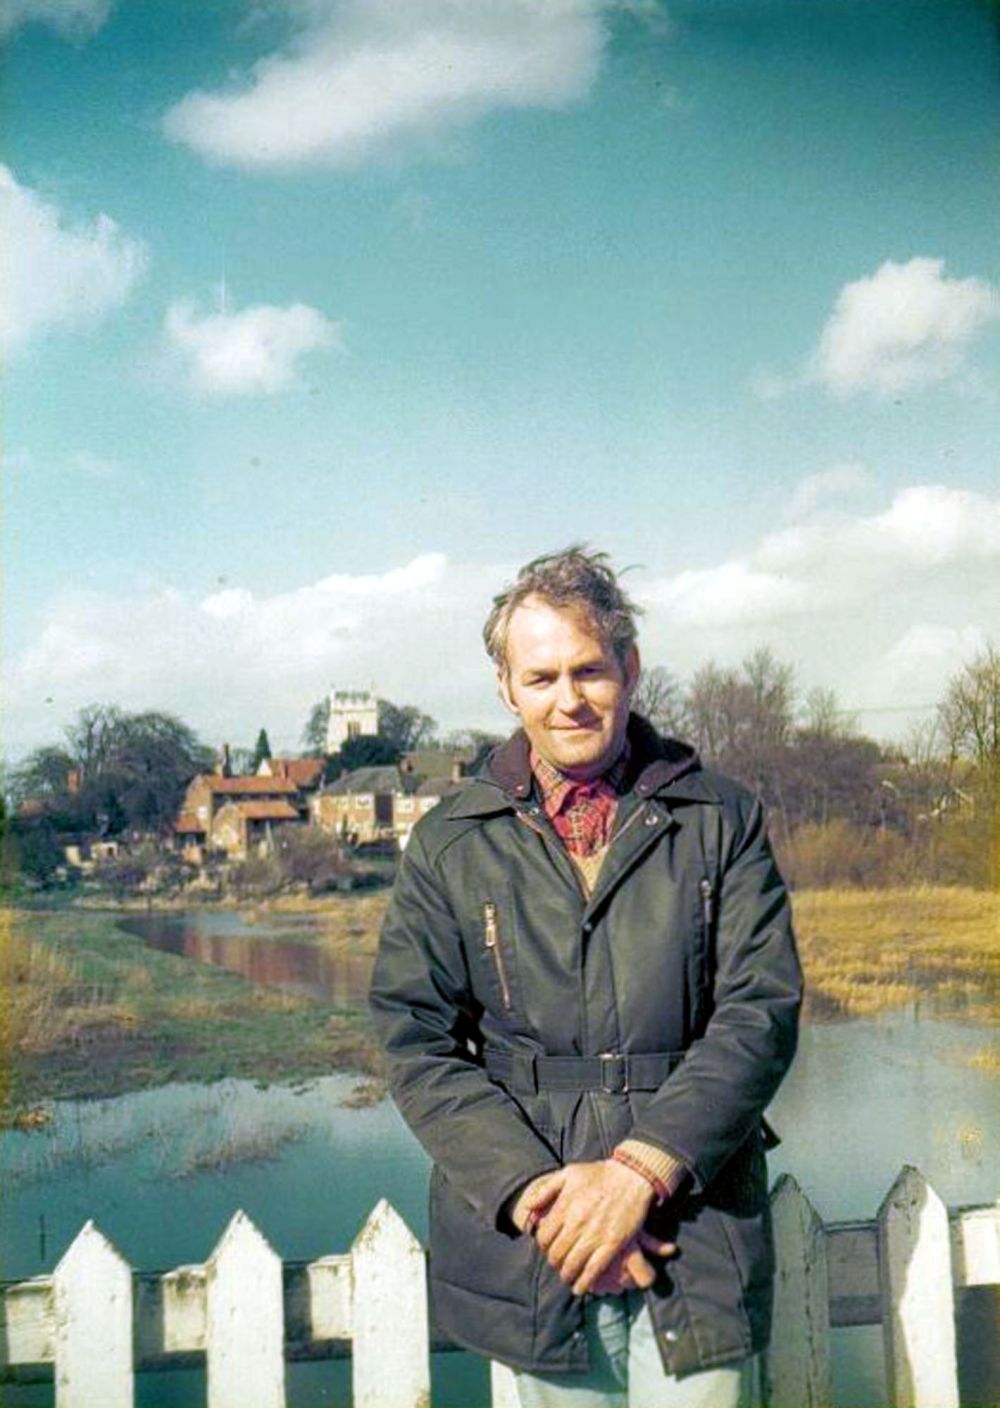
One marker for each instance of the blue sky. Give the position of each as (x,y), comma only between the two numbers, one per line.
(323,315)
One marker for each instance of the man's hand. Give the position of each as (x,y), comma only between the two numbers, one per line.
(596,1209)
(630,1270)
(533,1199)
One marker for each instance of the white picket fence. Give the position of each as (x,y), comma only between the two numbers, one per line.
(243,1313)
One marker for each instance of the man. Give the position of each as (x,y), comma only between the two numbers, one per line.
(588,991)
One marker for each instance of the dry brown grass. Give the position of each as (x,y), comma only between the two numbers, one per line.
(39,988)
(351,923)
(987,1058)
(865,951)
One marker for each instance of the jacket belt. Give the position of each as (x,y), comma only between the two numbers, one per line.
(526,1073)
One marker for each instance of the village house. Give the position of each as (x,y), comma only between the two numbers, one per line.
(360,806)
(235,815)
(384,803)
(441,765)
(306,773)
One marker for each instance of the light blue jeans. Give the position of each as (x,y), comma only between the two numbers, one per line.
(626,1370)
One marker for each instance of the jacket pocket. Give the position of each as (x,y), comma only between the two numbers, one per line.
(494,944)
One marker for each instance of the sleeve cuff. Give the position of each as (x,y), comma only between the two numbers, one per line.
(663,1167)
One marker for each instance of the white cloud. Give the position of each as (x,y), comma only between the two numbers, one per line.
(732,594)
(838,481)
(881,607)
(232,660)
(365,79)
(55,273)
(930,524)
(253,350)
(904,326)
(73,19)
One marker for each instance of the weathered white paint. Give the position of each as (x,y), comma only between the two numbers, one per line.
(503,1388)
(330,1297)
(852,1267)
(245,1323)
(391,1363)
(92,1301)
(975,1247)
(797,1366)
(185,1309)
(918,1299)
(27,1332)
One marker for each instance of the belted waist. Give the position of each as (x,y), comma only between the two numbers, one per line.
(613,1073)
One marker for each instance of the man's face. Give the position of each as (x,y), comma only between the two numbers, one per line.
(567,686)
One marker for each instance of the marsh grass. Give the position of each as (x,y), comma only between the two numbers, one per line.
(90,1010)
(868,951)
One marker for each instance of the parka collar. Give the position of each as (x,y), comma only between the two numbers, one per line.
(657,767)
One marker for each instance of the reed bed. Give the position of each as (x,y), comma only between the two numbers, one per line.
(867,951)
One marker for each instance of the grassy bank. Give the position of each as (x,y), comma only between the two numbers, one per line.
(89,1010)
(866,951)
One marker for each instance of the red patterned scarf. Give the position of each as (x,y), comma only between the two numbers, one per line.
(582,813)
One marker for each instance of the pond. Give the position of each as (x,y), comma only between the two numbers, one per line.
(280,950)
(161,1171)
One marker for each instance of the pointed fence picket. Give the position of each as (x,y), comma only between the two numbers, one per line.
(918,1295)
(245,1321)
(243,1314)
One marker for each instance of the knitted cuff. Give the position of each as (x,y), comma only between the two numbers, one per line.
(663,1171)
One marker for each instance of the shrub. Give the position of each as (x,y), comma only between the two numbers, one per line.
(131,870)
(258,875)
(837,854)
(309,856)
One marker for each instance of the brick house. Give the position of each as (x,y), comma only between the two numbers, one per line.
(363,804)
(234,814)
(306,773)
(243,828)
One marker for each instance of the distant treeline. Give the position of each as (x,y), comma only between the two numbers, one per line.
(844,808)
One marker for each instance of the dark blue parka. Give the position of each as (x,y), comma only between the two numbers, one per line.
(492,961)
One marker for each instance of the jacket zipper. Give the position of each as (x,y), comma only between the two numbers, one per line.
(491,938)
(705,886)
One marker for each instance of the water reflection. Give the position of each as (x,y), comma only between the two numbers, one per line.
(272,956)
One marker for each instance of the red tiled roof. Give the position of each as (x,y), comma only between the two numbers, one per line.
(304,772)
(267,811)
(253,785)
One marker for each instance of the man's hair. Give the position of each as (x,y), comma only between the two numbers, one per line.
(573,578)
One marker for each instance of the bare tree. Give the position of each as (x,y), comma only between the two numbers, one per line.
(708,709)
(659,699)
(742,719)
(823,717)
(969,716)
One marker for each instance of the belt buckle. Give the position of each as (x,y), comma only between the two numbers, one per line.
(616,1083)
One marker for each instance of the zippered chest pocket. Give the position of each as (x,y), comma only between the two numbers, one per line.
(495,946)
(490,931)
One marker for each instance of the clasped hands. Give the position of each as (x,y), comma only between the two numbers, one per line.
(588,1222)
